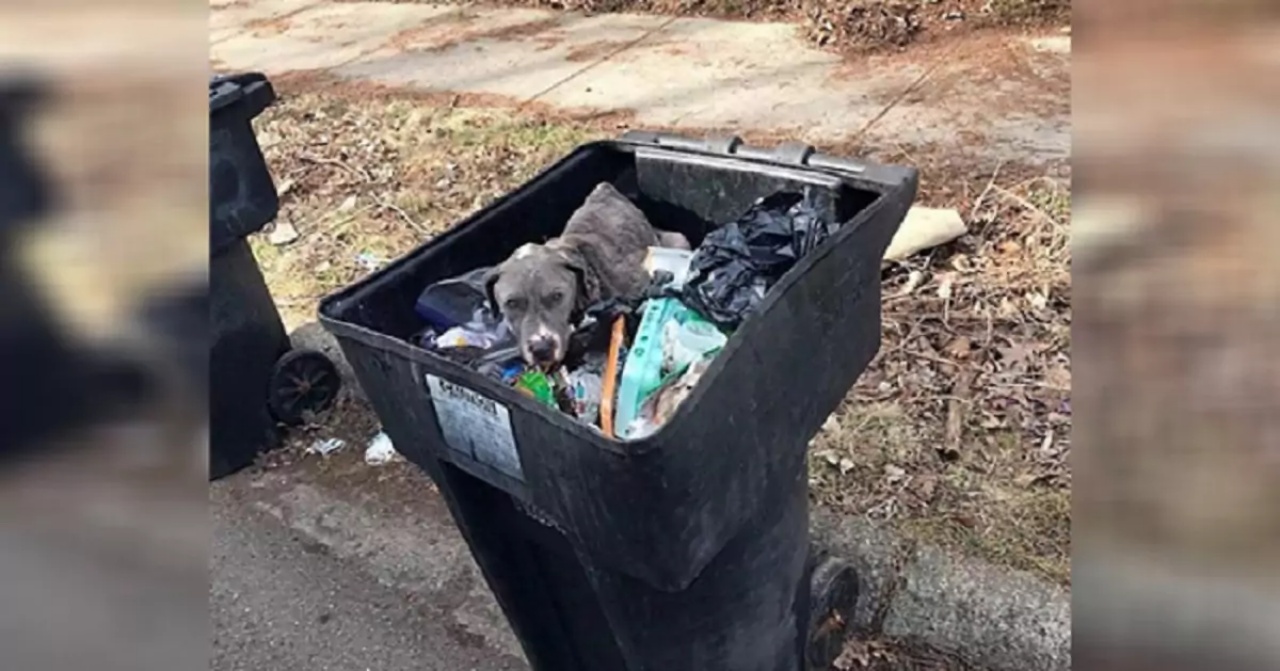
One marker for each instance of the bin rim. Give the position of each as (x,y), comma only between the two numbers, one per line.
(884,180)
(252,89)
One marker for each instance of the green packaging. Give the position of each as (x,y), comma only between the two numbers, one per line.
(536,384)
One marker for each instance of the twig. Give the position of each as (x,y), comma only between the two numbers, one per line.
(404,215)
(334,162)
(956,407)
(1031,385)
(930,357)
(973,212)
(338,224)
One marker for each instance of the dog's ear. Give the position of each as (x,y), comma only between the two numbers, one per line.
(588,283)
(491,279)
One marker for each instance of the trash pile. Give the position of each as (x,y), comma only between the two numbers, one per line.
(629,366)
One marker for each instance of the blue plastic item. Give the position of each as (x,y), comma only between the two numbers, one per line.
(453,302)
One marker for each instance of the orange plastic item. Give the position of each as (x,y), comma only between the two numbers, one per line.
(609,389)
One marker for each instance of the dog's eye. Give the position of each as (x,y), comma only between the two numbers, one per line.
(554,298)
(513,304)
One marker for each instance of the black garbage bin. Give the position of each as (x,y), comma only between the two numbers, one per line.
(687,550)
(255,380)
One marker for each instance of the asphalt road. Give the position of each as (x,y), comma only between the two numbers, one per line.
(282,602)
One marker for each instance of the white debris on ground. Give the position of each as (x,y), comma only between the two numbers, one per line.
(326,446)
(381,450)
(282,233)
(370,261)
(924,228)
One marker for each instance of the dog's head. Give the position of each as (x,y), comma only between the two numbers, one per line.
(540,291)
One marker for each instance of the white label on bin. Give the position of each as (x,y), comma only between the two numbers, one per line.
(476,426)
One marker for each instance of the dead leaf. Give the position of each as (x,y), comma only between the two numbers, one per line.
(1046,446)
(861,653)
(1006,309)
(348,204)
(1058,376)
(959,348)
(854,656)
(914,279)
(1037,300)
(846,465)
(945,284)
(286,185)
(961,391)
(1016,355)
(925,487)
(282,233)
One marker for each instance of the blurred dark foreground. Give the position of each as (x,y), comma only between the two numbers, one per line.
(103,507)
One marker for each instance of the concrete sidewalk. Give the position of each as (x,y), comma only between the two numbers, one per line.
(1005,97)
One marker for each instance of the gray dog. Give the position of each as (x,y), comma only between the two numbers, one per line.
(541,289)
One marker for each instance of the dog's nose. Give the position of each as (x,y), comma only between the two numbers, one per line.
(543,349)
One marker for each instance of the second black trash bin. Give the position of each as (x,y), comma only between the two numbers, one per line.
(687,550)
(255,380)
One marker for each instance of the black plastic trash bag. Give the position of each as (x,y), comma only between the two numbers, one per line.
(738,262)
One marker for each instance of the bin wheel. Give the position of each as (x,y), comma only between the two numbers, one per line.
(303,381)
(833,596)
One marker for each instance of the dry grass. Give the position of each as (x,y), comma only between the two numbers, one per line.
(364,183)
(957,433)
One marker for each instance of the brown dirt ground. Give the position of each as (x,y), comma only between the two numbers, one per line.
(843,25)
(956,434)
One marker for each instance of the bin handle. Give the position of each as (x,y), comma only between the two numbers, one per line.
(251,87)
(788,153)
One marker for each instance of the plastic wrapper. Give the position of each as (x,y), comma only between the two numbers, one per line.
(536,384)
(455,301)
(737,263)
(461,325)
(685,342)
(485,335)
(585,389)
(658,408)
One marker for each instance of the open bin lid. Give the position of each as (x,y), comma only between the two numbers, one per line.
(242,197)
(251,90)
